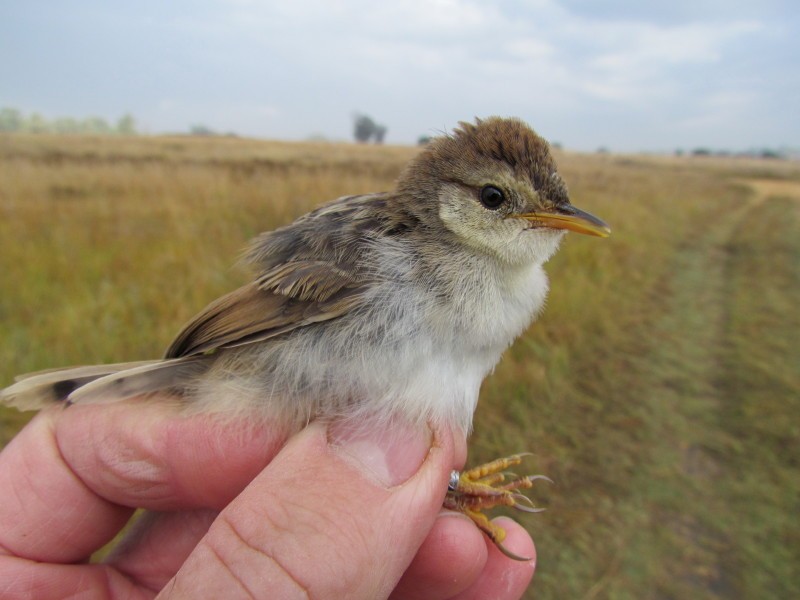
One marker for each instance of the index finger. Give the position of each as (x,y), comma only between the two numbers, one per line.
(72,478)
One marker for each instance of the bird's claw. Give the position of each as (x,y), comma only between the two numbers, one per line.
(486,486)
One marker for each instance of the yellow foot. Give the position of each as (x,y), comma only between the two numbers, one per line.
(485,486)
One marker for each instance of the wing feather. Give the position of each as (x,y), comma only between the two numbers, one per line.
(286,297)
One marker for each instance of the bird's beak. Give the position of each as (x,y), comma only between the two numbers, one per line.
(568,217)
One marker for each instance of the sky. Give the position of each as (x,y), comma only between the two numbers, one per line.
(625,75)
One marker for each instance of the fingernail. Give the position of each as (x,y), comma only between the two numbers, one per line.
(390,453)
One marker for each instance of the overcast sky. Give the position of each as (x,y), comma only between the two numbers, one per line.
(624,74)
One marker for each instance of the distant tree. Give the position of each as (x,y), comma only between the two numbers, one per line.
(126,125)
(95,125)
(379,133)
(365,129)
(201,130)
(35,123)
(768,153)
(65,125)
(423,140)
(10,120)
(701,152)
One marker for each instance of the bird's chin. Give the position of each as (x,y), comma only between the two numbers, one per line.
(533,245)
(547,242)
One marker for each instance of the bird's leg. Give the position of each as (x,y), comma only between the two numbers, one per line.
(485,486)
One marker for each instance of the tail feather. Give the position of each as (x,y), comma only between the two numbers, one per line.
(84,371)
(163,374)
(99,383)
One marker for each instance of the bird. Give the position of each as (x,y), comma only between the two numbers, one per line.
(375,306)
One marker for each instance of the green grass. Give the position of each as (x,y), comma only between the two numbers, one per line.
(660,389)
(762,383)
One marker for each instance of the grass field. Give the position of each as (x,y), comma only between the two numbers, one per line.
(660,389)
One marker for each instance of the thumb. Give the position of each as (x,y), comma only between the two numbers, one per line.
(339,513)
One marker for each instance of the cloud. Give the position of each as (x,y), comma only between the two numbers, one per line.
(636,62)
(588,72)
(408,19)
(719,108)
(466,45)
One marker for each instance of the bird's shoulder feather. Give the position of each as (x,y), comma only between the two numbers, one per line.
(312,270)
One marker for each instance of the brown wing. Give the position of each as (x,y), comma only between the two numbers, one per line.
(289,296)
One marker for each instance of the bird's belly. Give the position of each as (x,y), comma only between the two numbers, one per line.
(412,355)
(330,373)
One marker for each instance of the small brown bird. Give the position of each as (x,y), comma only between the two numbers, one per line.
(380,306)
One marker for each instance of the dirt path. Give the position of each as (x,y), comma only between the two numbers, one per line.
(687,398)
(772,188)
(702,516)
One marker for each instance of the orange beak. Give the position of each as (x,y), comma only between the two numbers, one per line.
(571,218)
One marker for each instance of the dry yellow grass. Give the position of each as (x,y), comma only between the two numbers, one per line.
(644,391)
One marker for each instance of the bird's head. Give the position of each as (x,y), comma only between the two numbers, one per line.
(494,186)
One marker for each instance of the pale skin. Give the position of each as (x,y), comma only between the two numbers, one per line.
(238,511)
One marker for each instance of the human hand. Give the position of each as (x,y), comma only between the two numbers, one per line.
(233,512)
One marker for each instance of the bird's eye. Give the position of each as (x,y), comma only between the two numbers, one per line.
(491,197)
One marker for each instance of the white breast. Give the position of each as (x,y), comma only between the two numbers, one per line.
(439,352)
(417,350)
